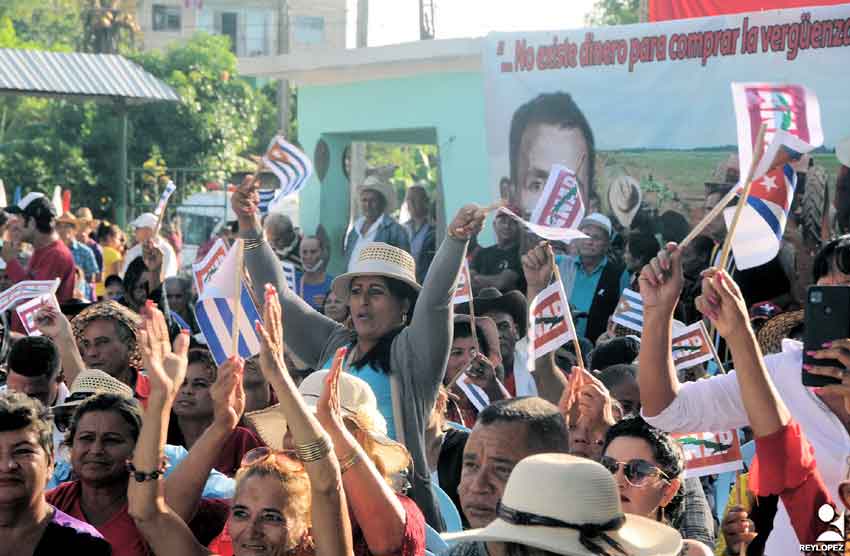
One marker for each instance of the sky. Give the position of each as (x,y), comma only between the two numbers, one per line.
(395,21)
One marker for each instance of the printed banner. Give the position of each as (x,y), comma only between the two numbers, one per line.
(26,290)
(651,101)
(560,204)
(691,347)
(463,291)
(203,270)
(709,453)
(548,327)
(552,234)
(27,311)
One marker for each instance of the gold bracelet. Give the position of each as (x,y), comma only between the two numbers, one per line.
(313,450)
(349,462)
(253,243)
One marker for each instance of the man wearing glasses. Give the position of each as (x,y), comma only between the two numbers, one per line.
(592,282)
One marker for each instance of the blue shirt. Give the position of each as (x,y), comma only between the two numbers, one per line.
(84,258)
(313,294)
(584,286)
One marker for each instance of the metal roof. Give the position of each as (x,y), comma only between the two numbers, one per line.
(73,74)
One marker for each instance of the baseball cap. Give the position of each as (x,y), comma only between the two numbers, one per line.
(33,204)
(597,219)
(145,220)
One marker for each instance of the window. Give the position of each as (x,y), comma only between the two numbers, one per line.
(166,18)
(229,27)
(309,30)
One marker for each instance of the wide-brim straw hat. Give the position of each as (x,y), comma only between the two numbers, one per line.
(68,218)
(487,327)
(384,188)
(378,259)
(357,402)
(85,217)
(780,327)
(573,492)
(624,198)
(89,383)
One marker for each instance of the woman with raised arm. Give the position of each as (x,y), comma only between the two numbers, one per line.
(785,463)
(281,505)
(402,331)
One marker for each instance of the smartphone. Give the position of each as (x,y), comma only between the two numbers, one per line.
(827,318)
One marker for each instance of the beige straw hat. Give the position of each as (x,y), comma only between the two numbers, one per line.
(624,198)
(90,383)
(385,189)
(357,401)
(378,259)
(555,501)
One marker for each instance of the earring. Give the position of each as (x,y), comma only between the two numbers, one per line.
(404,318)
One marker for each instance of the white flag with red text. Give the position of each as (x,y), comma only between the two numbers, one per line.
(463,290)
(548,325)
(560,205)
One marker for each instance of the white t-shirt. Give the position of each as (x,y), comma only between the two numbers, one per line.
(363,239)
(714,404)
(524,382)
(169,258)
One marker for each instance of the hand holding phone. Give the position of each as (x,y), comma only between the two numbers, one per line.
(826,357)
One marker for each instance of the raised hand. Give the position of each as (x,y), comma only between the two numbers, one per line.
(328,409)
(228,394)
(481,372)
(838,350)
(166,368)
(53,324)
(246,201)
(538,265)
(152,256)
(594,402)
(738,530)
(661,281)
(271,336)
(721,301)
(468,222)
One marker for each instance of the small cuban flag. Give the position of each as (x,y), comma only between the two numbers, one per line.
(629,312)
(291,167)
(758,236)
(266,198)
(214,310)
(163,199)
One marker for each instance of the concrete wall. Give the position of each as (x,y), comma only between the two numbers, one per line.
(447,108)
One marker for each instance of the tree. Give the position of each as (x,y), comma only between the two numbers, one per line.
(614,12)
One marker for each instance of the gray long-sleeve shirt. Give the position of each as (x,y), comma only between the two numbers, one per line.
(418,354)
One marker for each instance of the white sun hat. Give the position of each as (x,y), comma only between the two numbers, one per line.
(378,259)
(562,504)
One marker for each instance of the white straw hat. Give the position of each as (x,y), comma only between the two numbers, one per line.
(91,382)
(624,198)
(378,259)
(383,188)
(555,501)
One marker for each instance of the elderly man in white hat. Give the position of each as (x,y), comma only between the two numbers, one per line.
(145,228)
(377,201)
(592,282)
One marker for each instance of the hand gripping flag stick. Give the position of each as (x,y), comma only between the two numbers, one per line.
(567,313)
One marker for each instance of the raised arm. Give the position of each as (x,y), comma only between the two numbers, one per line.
(165,532)
(660,287)
(430,330)
(185,485)
(539,266)
(53,324)
(331,528)
(310,335)
(721,301)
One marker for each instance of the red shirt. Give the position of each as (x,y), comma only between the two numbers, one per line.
(54,260)
(119,530)
(413,543)
(240,442)
(794,476)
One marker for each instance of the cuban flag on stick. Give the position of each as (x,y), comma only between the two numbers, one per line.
(289,164)
(225,292)
(629,311)
(163,199)
(758,236)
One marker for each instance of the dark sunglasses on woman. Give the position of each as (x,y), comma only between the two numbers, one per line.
(638,472)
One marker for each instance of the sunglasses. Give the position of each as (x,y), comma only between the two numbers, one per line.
(638,472)
(285,459)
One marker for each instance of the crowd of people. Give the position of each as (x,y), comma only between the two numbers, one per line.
(356,428)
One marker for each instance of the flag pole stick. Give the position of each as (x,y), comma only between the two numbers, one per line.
(579,166)
(712,348)
(569,316)
(757,154)
(708,218)
(237,305)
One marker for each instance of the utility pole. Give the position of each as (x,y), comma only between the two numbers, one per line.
(426,20)
(357,172)
(283,106)
(362,23)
